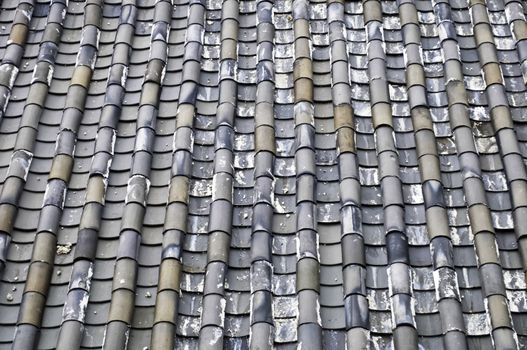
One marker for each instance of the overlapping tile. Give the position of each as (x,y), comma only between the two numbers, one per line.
(263,174)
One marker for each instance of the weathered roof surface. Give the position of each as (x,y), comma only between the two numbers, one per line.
(208,174)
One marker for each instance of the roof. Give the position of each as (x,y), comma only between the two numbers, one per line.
(263,174)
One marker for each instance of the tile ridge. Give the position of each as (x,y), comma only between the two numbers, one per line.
(500,112)
(122,301)
(44,247)
(22,156)
(211,334)
(74,311)
(487,256)
(175,224)
(357,316)
(399,270)
(309,329)
(262,321)
(442,251)
(9,66)
(503,331)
